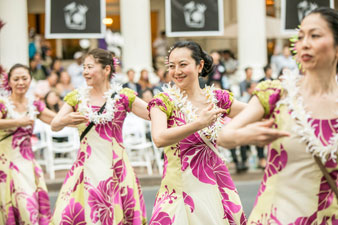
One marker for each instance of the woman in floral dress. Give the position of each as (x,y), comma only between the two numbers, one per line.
(101,187)
(305,109)
(196,187)
(23,196)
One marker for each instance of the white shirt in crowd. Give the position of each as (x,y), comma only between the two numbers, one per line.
(75,71)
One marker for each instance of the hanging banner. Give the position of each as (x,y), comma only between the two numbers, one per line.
(293,11)
(194,18)
(75,18)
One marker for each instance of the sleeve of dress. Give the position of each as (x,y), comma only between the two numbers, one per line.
(225,100)
(40,105)
(72,98)
(163,102)
(128,97)
(269,93)
(3,109)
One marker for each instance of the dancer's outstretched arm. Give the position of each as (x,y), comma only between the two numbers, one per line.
(236,108)
(66,116)
(47,115)
(139,108)
(247,128)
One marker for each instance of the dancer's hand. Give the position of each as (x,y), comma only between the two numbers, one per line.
(25,121)
(75,118)
(261,133)
(209,116)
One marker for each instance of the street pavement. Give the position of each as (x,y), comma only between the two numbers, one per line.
(247,190)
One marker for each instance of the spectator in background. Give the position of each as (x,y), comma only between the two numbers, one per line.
(46,53)
(44,86)
(284,61)
(144,80)
(267,73)
(161,49)
(131,84)
(247,82)
(56,66)
(230,64)
(75,71)
(215,77)
(162,74)
(53,101)
(147,94)
(64,86)
(39,71)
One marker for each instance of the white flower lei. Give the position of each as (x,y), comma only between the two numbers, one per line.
(110,108)
(32,110)
(303,119)
(182,103)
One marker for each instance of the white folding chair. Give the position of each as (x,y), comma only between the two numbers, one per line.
(41,144)
(139,150)
(64,146)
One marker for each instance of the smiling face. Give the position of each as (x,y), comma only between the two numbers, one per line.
(19,81)
(93,72)
(316,48)
(183,69)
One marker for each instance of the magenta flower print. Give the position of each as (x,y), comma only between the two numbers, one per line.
(38,171)
(101,201)
(120,170)
(130,216)
(203,162)
(73,214)
(228,205)
(306,220)
(196,154)
(162,218)
(222,174)
(114,128)
(44,206)
(326,195)
(81,156)
(224,99)
(21,140)
(13,216)
(3,176)
(273,99)
(39,208)
(276,162)
(189,201)
(3,108)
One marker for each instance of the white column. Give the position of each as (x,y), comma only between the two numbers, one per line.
(252,50)
(14,34)
(135,27)
(59,48)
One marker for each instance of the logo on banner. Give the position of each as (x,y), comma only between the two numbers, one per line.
(75,16)
(194,14)
(304,8)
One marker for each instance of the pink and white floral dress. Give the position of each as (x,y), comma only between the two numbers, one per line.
(294,190)
(196,187)
(23,192)
(101,187)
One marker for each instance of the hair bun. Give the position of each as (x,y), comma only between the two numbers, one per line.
(208,64)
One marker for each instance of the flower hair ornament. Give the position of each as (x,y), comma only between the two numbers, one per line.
(4,84)
(116,62)
(166,61)
(293,49)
